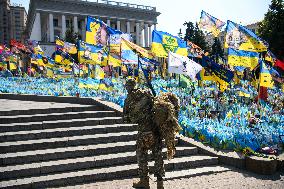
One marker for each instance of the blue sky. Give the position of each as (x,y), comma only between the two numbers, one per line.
(175,12)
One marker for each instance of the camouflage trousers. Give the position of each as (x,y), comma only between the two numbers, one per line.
(148,141)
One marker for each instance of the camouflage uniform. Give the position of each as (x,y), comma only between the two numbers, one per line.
(138,108)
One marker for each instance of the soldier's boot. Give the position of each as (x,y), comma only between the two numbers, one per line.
(160,184)
(142,183)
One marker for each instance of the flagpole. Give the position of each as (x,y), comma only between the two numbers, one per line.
(138,67)
(179,80)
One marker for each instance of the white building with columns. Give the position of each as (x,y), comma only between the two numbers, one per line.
(50,18)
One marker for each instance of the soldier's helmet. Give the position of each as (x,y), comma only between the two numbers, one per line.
(130,83)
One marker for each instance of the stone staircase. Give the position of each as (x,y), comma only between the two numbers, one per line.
(56,147)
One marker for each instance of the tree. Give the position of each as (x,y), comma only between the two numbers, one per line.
(72,37)
(216,49)
(271,29)
(189,32)
(195,35)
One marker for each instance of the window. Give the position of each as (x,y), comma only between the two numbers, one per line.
(79,24)
(134,28)
(68,23)
(55,22)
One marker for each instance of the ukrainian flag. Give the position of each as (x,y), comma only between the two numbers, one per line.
(58,58)
(210,24)
(115,48)
(3,64)
(97,32)
(243,58)
(240,38)
(207,76)
(265,76)
(49,72)
(99,72)
(130,50)
(65,46)
(13,65)
(91,54)
(164,42)
(50,63)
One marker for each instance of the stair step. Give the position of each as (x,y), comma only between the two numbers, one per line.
(72,164)
(68,152)
(64,132)
(15,146)
(73,108)
(54,116)
(65,152)
(176,174)
(106,173)
(8,127)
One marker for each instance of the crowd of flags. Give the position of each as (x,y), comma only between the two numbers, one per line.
(108,47)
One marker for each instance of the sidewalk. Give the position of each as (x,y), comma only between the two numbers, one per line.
(233,179)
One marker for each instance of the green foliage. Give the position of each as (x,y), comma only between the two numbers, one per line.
(195,35)
(217,50)
(271,29)
(72,37)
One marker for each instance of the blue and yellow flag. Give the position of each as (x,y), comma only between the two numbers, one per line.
(13,62)
(210,24)
(164,42)
(99,72)
(194,50)
(63,58)
(217,69)
(130,50)
(50,63)
(49,72)
(270,57)
(65,46)
(91,54)
(240,38)
(265,77)
(243,58)
(205,75)
(114,58)
(97,32)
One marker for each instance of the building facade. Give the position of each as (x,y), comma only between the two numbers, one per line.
(12,22)
(4,21)
(18,18)
(50,18)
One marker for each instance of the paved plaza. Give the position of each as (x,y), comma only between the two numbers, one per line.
(233,179)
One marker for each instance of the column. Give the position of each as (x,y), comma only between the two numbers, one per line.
(38,26)
(108,22)
(128,27)
(137,33)
(75,24)
(150,35)
(84,30)
(142,36)
(51,28)
(118,24)
(63,26)
(154,26)
(146,36)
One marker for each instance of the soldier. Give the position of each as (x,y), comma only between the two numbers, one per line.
(138,108)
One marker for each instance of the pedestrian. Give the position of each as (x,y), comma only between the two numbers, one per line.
(138,108)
